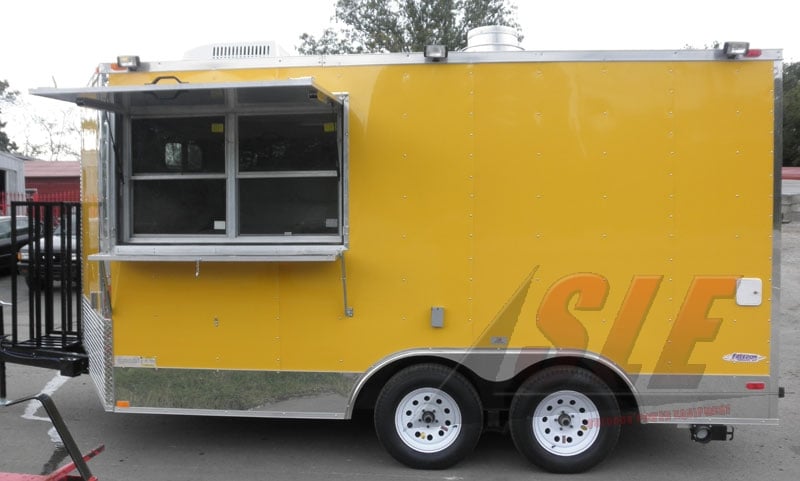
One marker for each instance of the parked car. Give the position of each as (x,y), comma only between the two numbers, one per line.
(6,252)
(58,268)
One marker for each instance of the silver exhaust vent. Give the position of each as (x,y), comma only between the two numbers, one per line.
(493,38)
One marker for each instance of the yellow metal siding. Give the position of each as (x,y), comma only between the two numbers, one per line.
(469,181)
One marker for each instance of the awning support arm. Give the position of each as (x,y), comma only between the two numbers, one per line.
(348,311)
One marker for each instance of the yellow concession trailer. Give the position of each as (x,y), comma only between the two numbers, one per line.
(561,241)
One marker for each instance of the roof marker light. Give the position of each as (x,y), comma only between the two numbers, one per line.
(736,49)
(435,52)
(130,62)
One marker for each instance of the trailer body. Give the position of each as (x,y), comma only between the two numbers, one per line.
(495,213)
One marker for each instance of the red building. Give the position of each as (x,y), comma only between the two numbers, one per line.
(53,181)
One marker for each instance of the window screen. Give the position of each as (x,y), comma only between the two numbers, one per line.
(178,145)
(289,175)
(178,167)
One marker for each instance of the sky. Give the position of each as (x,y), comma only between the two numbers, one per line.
(60,42)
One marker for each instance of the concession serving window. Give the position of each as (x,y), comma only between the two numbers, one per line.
(233,171)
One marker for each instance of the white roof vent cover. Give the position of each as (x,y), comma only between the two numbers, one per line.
(492,38)
(216,51)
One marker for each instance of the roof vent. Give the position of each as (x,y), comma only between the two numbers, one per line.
(493,38)
(235,51)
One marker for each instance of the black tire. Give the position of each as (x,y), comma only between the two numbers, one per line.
(417,417)
(584,426)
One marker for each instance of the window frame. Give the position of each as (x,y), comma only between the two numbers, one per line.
(231,175)
(125,186)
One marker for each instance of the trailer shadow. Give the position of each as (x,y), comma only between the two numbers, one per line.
(314,449)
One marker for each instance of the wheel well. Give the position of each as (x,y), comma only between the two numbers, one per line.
(498,395)
(625,397)
(369,392)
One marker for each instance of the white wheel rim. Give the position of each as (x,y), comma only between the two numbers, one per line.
(566,423)
(428,420)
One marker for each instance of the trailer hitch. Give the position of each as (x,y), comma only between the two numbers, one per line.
(705,433)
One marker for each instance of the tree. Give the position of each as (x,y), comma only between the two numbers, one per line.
(49,134)
(7,96)
(791,114)
(380,26)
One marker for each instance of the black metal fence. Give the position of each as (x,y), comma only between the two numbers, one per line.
(47,239)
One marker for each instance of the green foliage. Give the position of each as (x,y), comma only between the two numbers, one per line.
(6,96)
(791,114)
(380,26)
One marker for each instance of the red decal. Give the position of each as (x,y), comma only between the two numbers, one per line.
(630,319)
(554,318)
(693,325)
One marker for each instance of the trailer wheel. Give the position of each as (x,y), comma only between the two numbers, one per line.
(428,417)
(564,419)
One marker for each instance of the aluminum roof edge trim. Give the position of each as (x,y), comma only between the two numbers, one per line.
(453,58)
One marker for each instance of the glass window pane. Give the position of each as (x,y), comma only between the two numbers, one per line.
(184,206)
(288,142)
(195,144)
(289,206)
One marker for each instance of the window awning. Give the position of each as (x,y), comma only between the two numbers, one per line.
(292,93)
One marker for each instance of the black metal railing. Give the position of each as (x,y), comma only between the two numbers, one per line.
(47,238)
